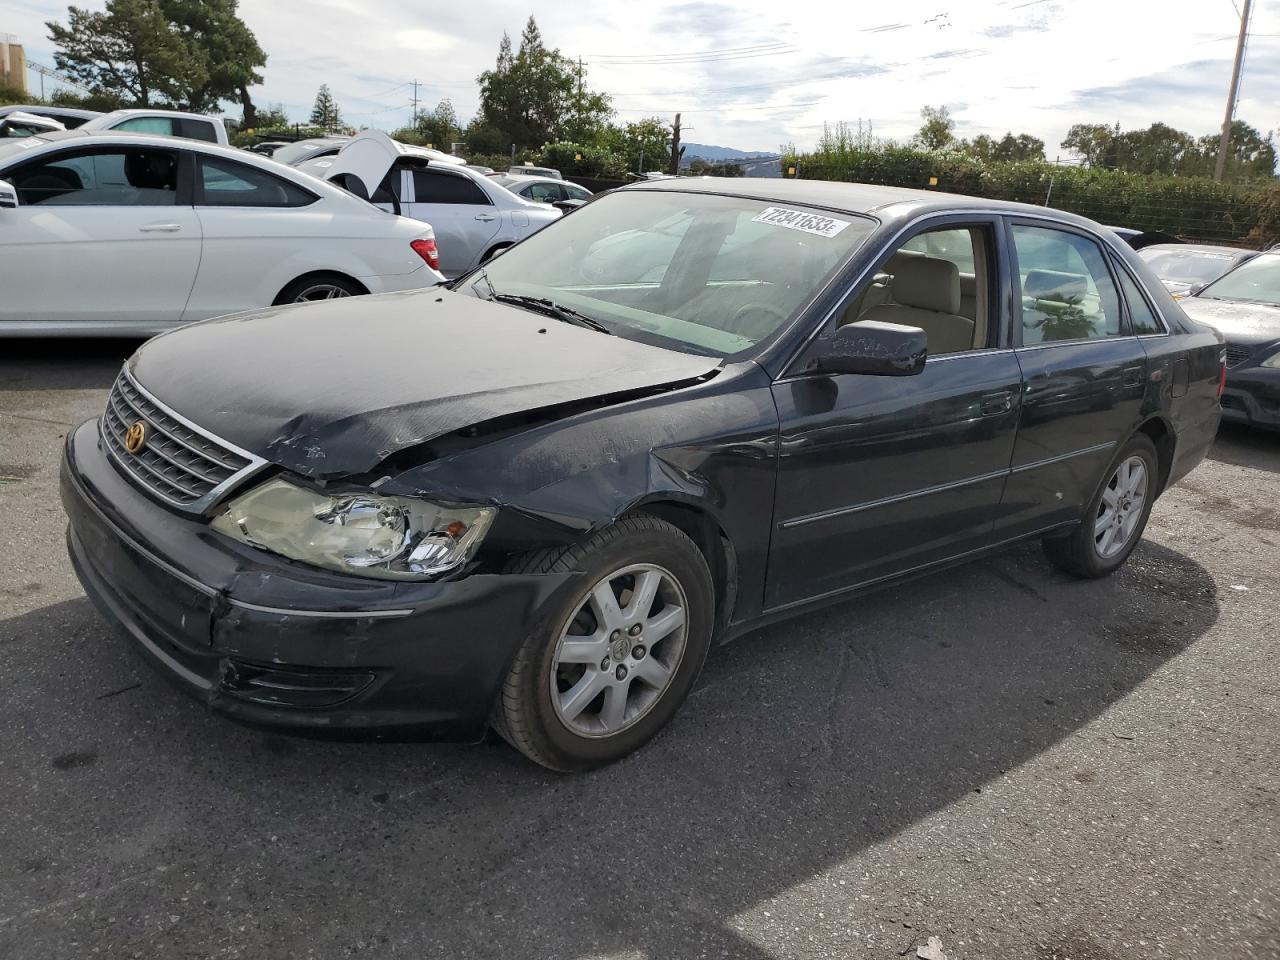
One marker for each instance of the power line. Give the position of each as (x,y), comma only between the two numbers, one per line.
(688,53)
(717,58)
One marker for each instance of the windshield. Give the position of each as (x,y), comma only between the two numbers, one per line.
(1257,281)
(1187,266)
(696,272)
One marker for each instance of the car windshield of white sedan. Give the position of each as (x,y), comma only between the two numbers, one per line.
(697,272)
(1257,281)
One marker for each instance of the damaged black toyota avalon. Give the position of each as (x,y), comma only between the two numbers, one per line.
(533,500)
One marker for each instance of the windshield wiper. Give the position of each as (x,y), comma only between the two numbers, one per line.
(551,309)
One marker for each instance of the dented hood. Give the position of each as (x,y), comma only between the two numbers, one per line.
(333,388)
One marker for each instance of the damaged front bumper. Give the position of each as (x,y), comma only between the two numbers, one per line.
(272,642)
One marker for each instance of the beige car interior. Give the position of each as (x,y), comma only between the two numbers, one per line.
(932,292)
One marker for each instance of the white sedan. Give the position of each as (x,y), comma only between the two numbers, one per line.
(128,235)
(473,216)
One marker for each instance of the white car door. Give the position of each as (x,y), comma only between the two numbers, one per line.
(464,218)
(102,233)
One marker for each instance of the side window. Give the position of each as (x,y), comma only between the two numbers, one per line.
(1066,289)
(160,125)
(230,184)
(198,130)
(576,192)
(111,177)
(1144,319)
(939,280)
(543,193)
(432,187)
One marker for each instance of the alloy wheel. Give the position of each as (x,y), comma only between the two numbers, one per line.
(619,651)
(1121,508)
(321,291)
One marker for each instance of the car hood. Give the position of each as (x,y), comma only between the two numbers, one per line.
(1243,323)
(334,388)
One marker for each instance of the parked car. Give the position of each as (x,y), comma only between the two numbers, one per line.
(69,117)
(544,189)
(168,123)
(18,124)
(316,148)
(536,501)
(127,235)
(481,169)
(1140,239)
(525,170)
(473,217)
(1186,267)
(266,147)
(1244,306)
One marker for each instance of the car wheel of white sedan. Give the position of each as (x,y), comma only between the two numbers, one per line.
(621,651)
(310,289)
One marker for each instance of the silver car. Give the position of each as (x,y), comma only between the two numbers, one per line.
(473,216)
(543,189)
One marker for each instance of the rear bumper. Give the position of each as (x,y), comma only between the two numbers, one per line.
(269,642)
(1252,396)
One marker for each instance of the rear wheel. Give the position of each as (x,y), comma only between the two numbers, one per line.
(1116,516)
(325,286)
(623,651)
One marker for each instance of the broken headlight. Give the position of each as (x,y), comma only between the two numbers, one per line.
(394,538)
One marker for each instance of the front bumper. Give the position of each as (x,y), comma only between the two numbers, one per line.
(1252,396)
(274,643)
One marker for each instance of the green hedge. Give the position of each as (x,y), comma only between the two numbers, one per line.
(1193,208)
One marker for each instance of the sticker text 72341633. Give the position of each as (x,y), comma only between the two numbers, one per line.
(815,223)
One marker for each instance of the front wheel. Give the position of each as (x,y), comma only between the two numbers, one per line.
(1116,516)
(623,651)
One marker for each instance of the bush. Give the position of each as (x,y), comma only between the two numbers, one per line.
(1194,208)
(579,160)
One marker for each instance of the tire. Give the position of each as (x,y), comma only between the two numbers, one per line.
(1086,551)
(536,713)
(319,286)
(492,252)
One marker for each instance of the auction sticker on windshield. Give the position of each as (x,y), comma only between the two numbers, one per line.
(801,220)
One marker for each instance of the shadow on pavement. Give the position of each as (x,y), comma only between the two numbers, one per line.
(58,363)
(1244,446)
(804,744)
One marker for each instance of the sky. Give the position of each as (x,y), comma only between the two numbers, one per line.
(756,74)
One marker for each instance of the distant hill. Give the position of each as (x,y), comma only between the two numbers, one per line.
(714,154)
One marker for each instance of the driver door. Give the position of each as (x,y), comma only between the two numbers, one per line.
(878,475)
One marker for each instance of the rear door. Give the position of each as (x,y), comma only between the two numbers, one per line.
(463,217)
(1084,370)
(102,233)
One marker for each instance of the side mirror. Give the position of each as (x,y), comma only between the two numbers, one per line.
(8,196)
(874,349)
(1195,289)
(567,207)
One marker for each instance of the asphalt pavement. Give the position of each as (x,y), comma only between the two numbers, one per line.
(1014,762)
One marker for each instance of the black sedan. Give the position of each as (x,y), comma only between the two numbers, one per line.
(535,498)
(1244,306)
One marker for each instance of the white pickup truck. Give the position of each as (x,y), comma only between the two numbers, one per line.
(169,123)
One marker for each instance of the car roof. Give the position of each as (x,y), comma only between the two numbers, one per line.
(864,198)
(160,112)
(40,109)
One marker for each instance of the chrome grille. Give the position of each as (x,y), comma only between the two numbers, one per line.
(1237,355)
(179,463)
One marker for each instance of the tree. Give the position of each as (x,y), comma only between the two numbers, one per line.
(325,113)
(1249,153)
(938,130)
(1022,147)
(229,50)
(275,117)
(130,51)
(537,95)
(649,138)
(439,127)
(1093,142)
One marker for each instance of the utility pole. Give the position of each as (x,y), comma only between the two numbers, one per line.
(415,103)
(1225,143)
(674,167)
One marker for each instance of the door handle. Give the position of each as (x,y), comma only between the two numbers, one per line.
(1132,376)
(160,228)
(486,217)
(994,403)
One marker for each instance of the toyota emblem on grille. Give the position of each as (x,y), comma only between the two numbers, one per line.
(136,438)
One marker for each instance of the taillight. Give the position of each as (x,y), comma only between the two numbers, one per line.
(426,249)
(1222,373)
